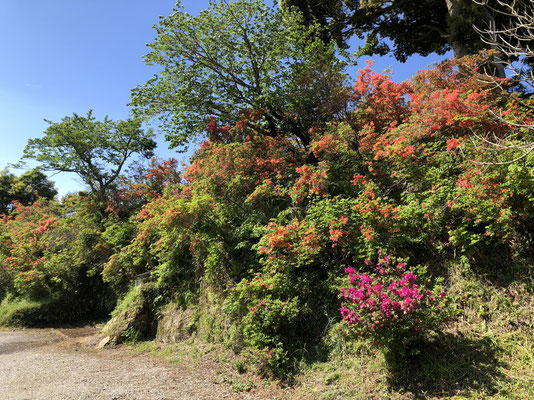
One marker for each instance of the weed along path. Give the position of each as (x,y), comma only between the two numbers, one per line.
(46,364)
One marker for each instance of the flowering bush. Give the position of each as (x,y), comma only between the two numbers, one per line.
(391,304)
(50,255)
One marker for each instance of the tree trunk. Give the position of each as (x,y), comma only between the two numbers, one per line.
(498,63)
(455,10)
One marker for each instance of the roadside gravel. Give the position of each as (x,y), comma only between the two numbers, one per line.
(64,365)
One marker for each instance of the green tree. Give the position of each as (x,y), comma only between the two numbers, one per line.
(239,57)
(95,150)
(24,189)
(7,180)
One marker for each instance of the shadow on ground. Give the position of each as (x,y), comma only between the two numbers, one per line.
(12,342)
(446,366)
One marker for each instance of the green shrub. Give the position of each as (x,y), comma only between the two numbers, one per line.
(19,311)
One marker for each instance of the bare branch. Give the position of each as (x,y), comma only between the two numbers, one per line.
(513,40)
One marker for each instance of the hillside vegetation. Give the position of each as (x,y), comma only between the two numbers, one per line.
(370,239)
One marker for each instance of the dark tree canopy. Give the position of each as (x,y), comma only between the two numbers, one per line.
(25,189)
(95,150)
(403,27)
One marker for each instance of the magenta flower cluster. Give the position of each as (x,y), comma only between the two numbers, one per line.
(387,303)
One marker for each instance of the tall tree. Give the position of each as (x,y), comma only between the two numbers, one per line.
(95,150)
(240,56)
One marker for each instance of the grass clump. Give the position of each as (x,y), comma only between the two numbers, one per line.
(134,317)
(19,311)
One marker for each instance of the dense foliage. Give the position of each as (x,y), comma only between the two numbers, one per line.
(413,171)
(50,253)
(262,226)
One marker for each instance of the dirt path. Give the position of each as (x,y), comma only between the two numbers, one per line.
(63,364)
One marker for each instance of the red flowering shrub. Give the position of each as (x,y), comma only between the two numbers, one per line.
(26,239)
(50,253)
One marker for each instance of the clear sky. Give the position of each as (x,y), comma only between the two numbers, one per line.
(65,56)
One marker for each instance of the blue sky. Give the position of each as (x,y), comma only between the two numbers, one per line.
(65,56)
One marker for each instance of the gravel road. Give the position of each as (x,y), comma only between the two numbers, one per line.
(63,365)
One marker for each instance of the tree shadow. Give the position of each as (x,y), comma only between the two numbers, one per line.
(15,347)
(502,265)
(16,341)
(446,366)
